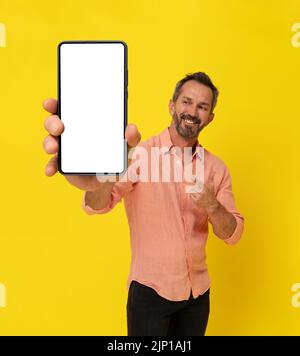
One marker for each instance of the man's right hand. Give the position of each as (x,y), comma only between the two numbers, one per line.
(55,128)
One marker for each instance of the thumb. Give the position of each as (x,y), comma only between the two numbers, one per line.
(132,135)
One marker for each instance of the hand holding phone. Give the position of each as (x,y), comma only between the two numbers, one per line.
(55,127)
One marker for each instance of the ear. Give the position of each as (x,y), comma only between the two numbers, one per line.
(171,107)
(211,117)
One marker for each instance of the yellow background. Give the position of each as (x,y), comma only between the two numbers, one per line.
(65,272)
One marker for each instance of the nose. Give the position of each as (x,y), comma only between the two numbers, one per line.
(193,111)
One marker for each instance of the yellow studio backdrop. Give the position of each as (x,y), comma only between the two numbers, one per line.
(63,271)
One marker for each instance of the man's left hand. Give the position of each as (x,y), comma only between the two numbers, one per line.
(206,198)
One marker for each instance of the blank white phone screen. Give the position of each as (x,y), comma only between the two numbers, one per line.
(92,81)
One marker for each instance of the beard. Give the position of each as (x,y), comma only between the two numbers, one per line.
(187,129)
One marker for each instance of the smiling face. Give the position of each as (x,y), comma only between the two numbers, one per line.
(192,110)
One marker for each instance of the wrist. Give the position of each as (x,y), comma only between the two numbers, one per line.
(101,186)
(213,207)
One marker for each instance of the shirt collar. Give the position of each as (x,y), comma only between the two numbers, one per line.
(165,140)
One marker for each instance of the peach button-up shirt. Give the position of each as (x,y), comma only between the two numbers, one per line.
(168,231)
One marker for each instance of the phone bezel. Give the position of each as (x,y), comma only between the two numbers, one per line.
(59,159)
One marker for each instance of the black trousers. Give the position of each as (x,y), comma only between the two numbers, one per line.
(149,314)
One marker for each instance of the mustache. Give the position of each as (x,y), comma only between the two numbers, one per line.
(189,117)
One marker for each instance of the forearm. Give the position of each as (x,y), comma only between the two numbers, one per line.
(223,222)
(99,199)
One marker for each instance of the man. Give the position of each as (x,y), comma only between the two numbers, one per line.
(168,282)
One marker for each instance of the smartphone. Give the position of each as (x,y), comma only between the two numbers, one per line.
(92,104)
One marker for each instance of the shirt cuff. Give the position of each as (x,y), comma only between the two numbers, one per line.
(237,234)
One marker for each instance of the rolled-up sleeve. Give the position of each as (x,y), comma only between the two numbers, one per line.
(118,191)
(226,198)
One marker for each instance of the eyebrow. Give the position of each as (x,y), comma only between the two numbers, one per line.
(201,102)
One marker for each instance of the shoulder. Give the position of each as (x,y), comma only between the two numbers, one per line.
(214,161)
(153,141)
(219,167)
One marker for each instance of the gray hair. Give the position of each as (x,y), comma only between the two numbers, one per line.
(201,78)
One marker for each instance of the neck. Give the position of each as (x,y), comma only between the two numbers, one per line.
(178,140)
